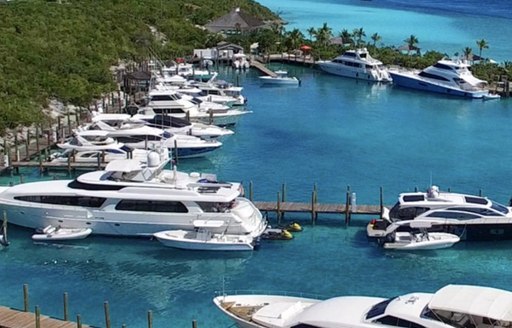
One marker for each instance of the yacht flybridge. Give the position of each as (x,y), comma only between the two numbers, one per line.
(130,198)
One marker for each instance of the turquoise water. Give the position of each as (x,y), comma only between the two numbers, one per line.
(331,132)
(445,26)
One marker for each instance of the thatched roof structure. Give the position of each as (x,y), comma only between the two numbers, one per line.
(235,22)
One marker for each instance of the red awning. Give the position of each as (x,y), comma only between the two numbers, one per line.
(305,47)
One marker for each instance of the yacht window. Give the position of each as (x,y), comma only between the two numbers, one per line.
(414,198)
(500,208)
(305,325)
(75,184)
(477,210)
(64,200)
(432,76)
(443,66)
(349,54)
(476,200)
(453,215)
(362,55)
(160,98)
(407,213)
(378,309)
(140,205)
(397,322)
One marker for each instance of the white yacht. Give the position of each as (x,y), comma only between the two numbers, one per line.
(451,306)
(130,198)
(101,155)
(450,77)
(142,136)
(356,64)
(467,216)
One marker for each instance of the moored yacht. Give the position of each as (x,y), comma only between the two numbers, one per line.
(356,64)
(451,306)
(130,198)
(467,216)
(450,77)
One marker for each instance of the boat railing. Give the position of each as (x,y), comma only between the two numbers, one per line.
(270,292)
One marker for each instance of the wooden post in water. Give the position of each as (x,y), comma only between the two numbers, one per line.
(313,206)
(381,201)
(27,146)
(175,151)
(25,297)
(250,191)
(38,316)
(78,321)
(107,314)
(194,324)
(150,319)
(480,192)
(278,208)
(65,306)
(283,196)
(347,206)
(16,150)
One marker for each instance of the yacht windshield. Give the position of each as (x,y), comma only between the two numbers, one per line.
(500,208)
(378,309)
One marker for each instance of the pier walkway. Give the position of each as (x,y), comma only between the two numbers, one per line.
(10,318)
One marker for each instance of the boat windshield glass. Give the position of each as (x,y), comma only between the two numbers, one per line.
(500,208)
(378,309)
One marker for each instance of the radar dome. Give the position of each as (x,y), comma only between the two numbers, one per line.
(153,159)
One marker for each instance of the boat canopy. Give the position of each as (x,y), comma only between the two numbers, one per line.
(474,300)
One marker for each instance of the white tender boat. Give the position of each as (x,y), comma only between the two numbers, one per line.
(422,240)
(356,64)
(203,239)
(450,77)
(280,78)
(51,233)
(451,306)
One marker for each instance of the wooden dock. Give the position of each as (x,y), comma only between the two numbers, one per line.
(11,318)
(262,68)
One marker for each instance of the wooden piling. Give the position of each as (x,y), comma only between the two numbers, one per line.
(251,195)
(5,241)
(150,319)
(278,212)
(313,207)
(347,206)
(381,201)
(194,324)
(283,196)
(107,314)
(38,316)
(78,321)
(25,297)
(175,151)
(65,299)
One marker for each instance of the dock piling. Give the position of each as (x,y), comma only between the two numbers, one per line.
(107,314)
(150,319)
(278,208)
(38,316)
(78,321)
(25,297)
(250,191)
(65,299)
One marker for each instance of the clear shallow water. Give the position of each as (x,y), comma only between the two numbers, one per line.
(445,26)
(330,131)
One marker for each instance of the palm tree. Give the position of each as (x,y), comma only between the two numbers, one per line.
(482,44)
(346,37)
(311,31)
(323,35)
(411,41)
(376,38)
(358,34)
(468,53)
(293,39)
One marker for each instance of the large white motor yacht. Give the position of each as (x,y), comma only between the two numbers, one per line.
(356,64)
(130,198)
(451,306)
(467,216)
(450,77)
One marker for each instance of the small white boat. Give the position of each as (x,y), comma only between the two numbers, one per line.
(51,233)
(203,239)
(281,78)
(423,240)
(491,96)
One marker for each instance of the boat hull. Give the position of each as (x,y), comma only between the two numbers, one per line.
(191,240)
(278,81)
(360,74)
(435,240)
(413,82)
(62,235)
(108,221)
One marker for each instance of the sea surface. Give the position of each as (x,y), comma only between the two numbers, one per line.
(331,133)
(445,26)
